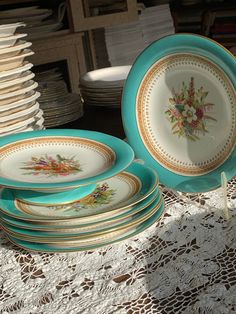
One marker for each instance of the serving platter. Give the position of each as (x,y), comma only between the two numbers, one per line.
(86,245)
(51,159)
(179,111)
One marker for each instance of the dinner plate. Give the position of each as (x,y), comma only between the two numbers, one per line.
(123,190)
(15,73)
(28,98)
(61,158)
(15,61)
(12,216)
(179,111)
(18,113)
(24,76)
(7,30)
(25,88)
(86,245)
(9,41)
(79,233)
(20,45)
(111,76)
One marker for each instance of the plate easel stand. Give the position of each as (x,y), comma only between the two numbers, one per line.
(225,208)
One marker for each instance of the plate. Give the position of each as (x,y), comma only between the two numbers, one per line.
(15,73)
(112,76)
(24,76)
(25,88)
(9,41)
(18,113)
(123,190)
(29,97)
(15,61)
(20,45)
(7,30)
(12,216)
(179,99)
(103,240)
(79,233)
(61,158)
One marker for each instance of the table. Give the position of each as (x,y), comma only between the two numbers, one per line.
(184,263)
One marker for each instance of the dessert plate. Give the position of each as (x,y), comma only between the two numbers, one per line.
(12,216)
(7,30)
(121,191)
(78,234)
(179,111)
(91,244)
(60,158)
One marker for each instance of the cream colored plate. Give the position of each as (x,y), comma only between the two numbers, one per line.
(25,88)
(19,113)
(28,98)
(7,30)
(9,41)
(19,46)
(24,76)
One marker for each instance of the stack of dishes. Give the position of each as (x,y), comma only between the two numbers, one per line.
(38,21)
(80,190)
(19,110)
(104,87)
(179,111)
(58,105)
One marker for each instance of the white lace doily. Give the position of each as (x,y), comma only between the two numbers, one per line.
(185,263)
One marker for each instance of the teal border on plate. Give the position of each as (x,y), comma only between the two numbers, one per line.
(124,156)
(59,236)
(185,43)
(46,248)
(146,175)
(25,224)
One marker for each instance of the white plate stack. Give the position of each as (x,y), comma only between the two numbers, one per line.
(19,110)
(58,105)
(38,21)
(125,42)
(104,87)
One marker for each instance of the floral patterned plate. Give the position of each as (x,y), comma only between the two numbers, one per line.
(91,244)
(119,192)
(79,234)
(51,159)
(179,111)
(81,224)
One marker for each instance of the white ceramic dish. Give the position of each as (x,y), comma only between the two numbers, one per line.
(29,98)
(13,126)
(25,88)
(20,113)
(24,76)
(9,41)
(19,46)
(15,73)
(7,30)
(15,61)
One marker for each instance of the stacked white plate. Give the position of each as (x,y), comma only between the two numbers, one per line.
(38,21)
(104,87)
(59,106)
(125,42)
(19,110)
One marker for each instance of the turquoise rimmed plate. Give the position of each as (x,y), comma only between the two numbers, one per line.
(51,160)
(179,111)
(102,241)
(83,233)
(97,222)
(118,193)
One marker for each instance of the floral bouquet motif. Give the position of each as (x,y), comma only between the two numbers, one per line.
(52,167)
(188,111)
(101,196)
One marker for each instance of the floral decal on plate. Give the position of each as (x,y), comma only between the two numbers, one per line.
(52,166)
(189,111)
(102,195)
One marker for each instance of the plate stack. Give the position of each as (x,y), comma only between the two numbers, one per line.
(72,190)
(19,110)
(58,105)
(38,21)
(104,87)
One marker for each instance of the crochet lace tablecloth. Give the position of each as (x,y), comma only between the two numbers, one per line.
(184,263)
